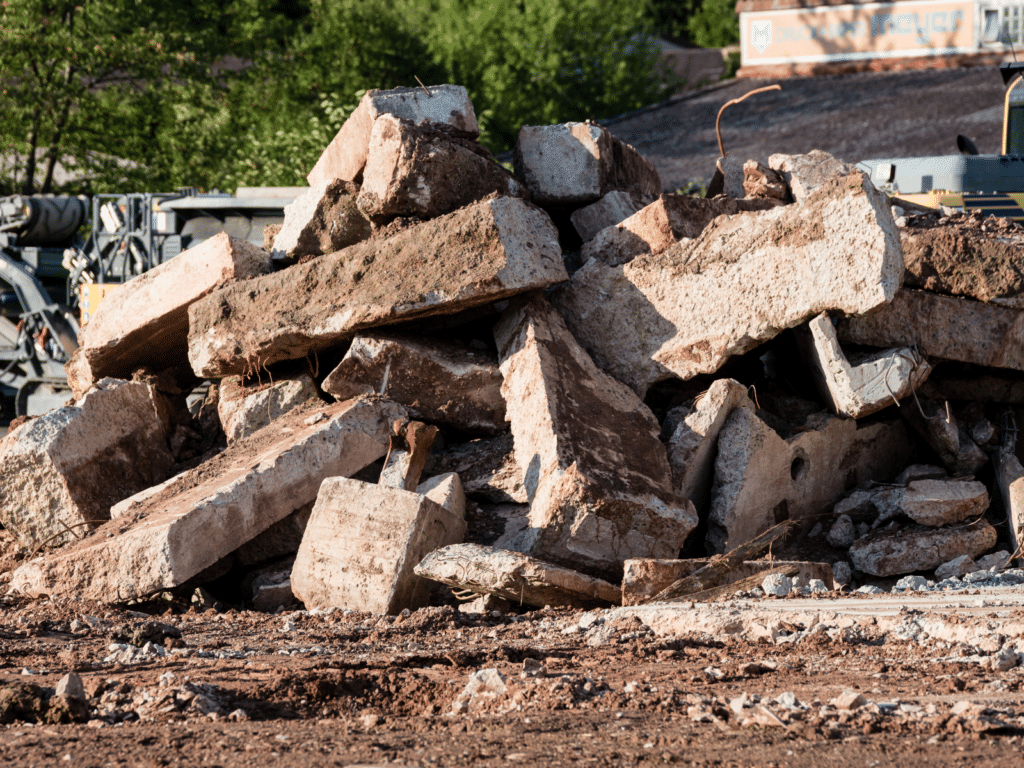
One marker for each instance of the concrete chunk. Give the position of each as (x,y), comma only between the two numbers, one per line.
(437,381)
(479,254)
(643,579)
(660,225)
(870,384)
(362,543)
(691,449)
(345,156)
(447,491)
(205,513)
(423,171)
(937,424)
(805,173)
(600,489)
(323,219)
(518,578)
(614,207)
(932,502)
(246,409)
(1010,479)
(955,568)
(69,466)
(573,163)
(885,553)
(744,280)
(145,321)
(762,479)
(487,469)
(943,327)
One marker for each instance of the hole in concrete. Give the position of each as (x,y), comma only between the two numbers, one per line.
(798,468)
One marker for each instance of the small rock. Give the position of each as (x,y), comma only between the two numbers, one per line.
(849,700)
(1004,660)
(843,532)
(956,567)
(916,583)
(815,586)
(71,686)
(842,573)
(788,700)
(997,560)
(534,668)
(870,589)
(777,584)
(369,721)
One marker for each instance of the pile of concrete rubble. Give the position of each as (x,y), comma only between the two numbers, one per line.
(556,386)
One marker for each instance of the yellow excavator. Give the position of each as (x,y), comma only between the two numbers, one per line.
(991,184)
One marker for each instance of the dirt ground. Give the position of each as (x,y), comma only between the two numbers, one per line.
(343,688)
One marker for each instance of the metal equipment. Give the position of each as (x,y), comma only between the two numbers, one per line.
(991,184)
(48,270)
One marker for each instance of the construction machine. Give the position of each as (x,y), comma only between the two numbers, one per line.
(991,184)
(57,262)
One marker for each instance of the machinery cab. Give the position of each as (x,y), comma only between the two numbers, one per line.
(1013,108)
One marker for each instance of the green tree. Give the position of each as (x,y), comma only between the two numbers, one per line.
(715,25)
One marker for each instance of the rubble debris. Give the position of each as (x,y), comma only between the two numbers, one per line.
(744,280)
(657,227)
(491,250)
(938,425)
(842,533)
(600,490)
(927,502)
(362,543)
(61,473)
(842,573)
(144,323)
(958,566)
(345,156)
(200,516)
(575,163)
(425,171)
(487,468)
(323,219)
(437,381)
(692,446)
(270,588)
(943,327)
(919,548)
(867,384)
(614,207)
(513,576)
(761,181)
(245,409)
(777,584)
(408,450)
(1010,480)
(762,479)
(805,173)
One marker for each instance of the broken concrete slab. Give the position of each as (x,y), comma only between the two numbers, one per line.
(1010,479)
(436,380)
(518,578)
(868,383)
(425,171)
(345,156)
(692,446)
(943,327)
(487,468)
(479,254)
(408,451)
(62,472)
(762,479)
(362,543)
(244,409)
(932,502)
(145,321)
(606,212)
(744,280)
(805,173)
(888,553)
(644,578)
(203,514)
(574,163)
(600,490)
(323,219)
(660,225)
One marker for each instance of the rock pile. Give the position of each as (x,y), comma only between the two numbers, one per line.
(531,385)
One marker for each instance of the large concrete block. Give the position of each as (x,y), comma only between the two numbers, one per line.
(944,327)
(762,479)
(323,219)
(436,380)
(805,173)
(247,409)
(71,465)
(145,321)
(575,163)
(744,280)
(596,474)
(362,543)
(889,553)
(424,171)
(660,225)
(198,517)
(345,156)
(518,578)
(479,254)
(874,382)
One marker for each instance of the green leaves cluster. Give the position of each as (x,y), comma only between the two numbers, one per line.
(152,95)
